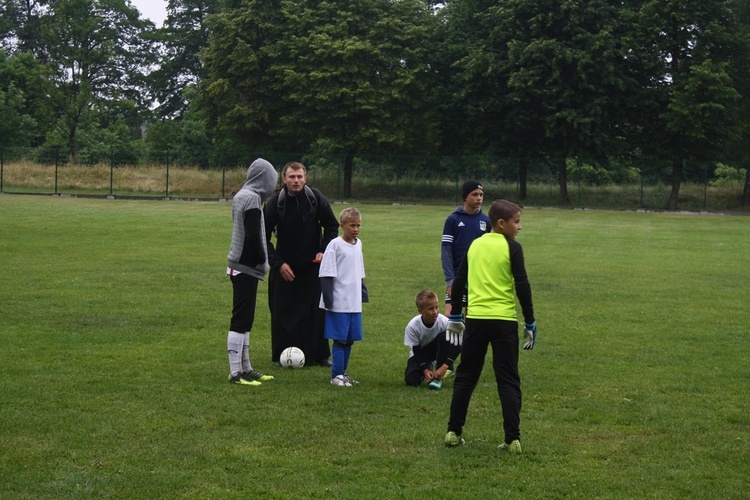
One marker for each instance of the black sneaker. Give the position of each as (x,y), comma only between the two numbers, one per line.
(242,380)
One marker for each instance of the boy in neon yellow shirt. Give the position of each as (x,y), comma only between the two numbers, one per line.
(494,273)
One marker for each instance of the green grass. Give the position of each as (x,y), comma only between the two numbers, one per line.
(113,320)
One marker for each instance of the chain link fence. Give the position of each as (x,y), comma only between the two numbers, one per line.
(613,184)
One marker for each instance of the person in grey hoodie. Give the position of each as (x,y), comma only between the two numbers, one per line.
(247,263)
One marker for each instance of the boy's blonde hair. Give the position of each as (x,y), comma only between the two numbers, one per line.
(422,297)
(348,214)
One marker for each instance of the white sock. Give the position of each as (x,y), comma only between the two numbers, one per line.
(234,348)
(246,366)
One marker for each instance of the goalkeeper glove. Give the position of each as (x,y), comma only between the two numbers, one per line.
(529,333)
(454,333)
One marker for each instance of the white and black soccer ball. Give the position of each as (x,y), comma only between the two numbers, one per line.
(292,357)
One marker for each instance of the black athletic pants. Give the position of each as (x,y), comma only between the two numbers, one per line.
(503,336)
(245,293)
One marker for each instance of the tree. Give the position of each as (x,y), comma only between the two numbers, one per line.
(241,96)
(21,26)
(739,70)
(24,88)
(355,75)
(15,124)
(182,39)
(295,74)
(688,49)
(98,56)
(543,78)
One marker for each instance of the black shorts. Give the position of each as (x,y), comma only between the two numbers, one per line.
(245,288)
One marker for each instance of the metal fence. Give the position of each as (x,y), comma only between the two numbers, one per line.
(616,184)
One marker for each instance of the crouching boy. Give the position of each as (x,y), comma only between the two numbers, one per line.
(431,356)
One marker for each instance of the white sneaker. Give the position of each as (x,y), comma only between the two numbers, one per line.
(350,380)
(341,381)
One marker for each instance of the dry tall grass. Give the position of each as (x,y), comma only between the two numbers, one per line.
(157,180)
(126,180)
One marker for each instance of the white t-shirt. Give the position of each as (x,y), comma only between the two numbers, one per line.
(344,262)
(417,334)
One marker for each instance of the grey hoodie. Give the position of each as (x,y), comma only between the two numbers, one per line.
(247,252)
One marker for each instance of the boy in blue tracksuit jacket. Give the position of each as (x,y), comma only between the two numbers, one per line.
(463,226)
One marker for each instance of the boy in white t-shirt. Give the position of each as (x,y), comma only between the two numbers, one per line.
(343,290)
(431,356)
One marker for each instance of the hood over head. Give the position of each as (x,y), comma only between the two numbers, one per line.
(261,178)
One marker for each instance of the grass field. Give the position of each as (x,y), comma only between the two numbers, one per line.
(113,319)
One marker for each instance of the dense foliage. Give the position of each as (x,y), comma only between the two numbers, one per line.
(557,79)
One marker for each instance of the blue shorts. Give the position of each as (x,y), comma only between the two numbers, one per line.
(346,327)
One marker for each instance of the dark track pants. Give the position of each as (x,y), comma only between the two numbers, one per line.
(503,336)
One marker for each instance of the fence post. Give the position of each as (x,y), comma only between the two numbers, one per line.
(111,170)
(166,192)
(640,171)
(398,158)
(223,179)
(705,188)
(578,172)
(338,179)
(2,168)
(57,155)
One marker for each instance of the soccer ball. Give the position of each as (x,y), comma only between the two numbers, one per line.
(292,357)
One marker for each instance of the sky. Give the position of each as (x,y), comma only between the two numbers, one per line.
(155,10)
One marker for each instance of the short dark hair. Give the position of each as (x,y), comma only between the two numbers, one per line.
(502,209)
(294,165)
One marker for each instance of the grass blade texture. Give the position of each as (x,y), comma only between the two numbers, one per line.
(113,365)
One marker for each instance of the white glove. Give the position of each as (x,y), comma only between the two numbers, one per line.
(454,332)
(529,334)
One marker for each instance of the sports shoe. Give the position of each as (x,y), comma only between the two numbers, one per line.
(350,380)
(452,440)
(253,375)
(241,379)
(449,374)
(435,384)
(340,381)
(514,447)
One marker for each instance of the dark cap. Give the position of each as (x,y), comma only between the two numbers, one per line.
(470,186)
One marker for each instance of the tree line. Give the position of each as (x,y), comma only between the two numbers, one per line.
(597,79)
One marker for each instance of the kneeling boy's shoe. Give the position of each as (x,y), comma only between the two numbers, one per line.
(514,447)
(254,375)
(436,384)
(449,374)
(452,440)
(340,381)
(242,380)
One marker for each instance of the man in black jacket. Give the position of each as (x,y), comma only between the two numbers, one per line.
(302,220)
